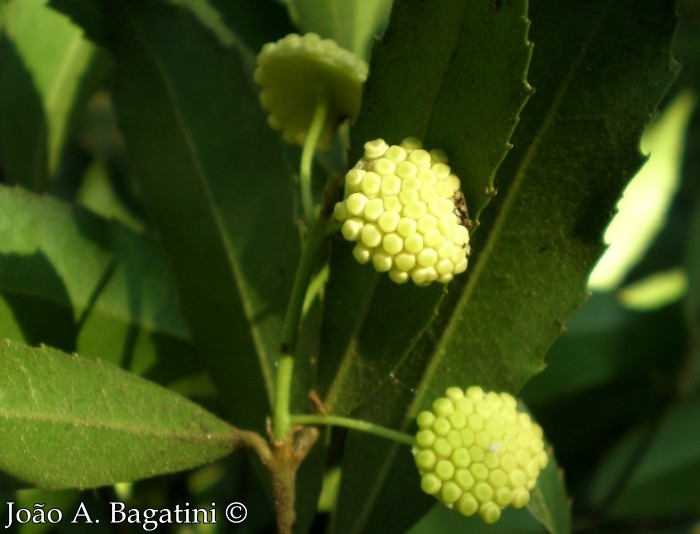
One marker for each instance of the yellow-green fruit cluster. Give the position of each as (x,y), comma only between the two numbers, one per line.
(299,72)
(477,453)
(399,207)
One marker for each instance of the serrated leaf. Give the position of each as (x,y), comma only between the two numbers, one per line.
(48,70)
(454,77)
(579,147)
(598,78)
(350,23)
(433,95)
(427,96)
(72,422)
(606,345)
(78,282)
(216,185)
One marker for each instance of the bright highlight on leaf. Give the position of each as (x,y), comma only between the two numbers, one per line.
(655,291)
(299,73)
(60,60)
(404,208)
(477,453)
(645,201)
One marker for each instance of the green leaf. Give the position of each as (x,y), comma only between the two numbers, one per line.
(369,341)
(374,327)
(350,23)
(644,207)
(606,345)
(598,76)
(442,519)
(659,463)
(454,77)
(48,70)
(71,422)
(81,283)
(548,500)
(254,22)
(439,105)
(217,188)
(578,146)
(356,343)
(370,465)
(691,262)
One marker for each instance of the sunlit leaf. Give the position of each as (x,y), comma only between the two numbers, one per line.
(81,283)
(71,422)
(47,71)
(642,209)
(655,291)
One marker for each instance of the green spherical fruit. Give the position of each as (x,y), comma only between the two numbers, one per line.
(477,453)
(404,208)
(299,70)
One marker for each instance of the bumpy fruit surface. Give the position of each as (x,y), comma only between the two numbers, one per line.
(401,207)
(477,453)
(297,71)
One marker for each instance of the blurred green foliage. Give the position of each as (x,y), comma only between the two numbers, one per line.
(148,219)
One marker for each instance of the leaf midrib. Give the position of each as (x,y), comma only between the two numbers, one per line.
(126,427)
(517,183)
(216,216)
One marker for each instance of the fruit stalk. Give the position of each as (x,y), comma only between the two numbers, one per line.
(307,156)
(290,330)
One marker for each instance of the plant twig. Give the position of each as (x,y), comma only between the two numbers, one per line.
(281,460)
(285,365)
(354,424)
(310,249)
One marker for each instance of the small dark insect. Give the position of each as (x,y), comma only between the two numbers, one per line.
(461,209)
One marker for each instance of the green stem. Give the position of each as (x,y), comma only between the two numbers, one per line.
(290,330)
(354,424)
(309,252)
(307,156)
(283,391)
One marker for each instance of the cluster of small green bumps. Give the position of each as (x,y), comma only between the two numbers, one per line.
(399,207)
(297,71)
(477,453)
